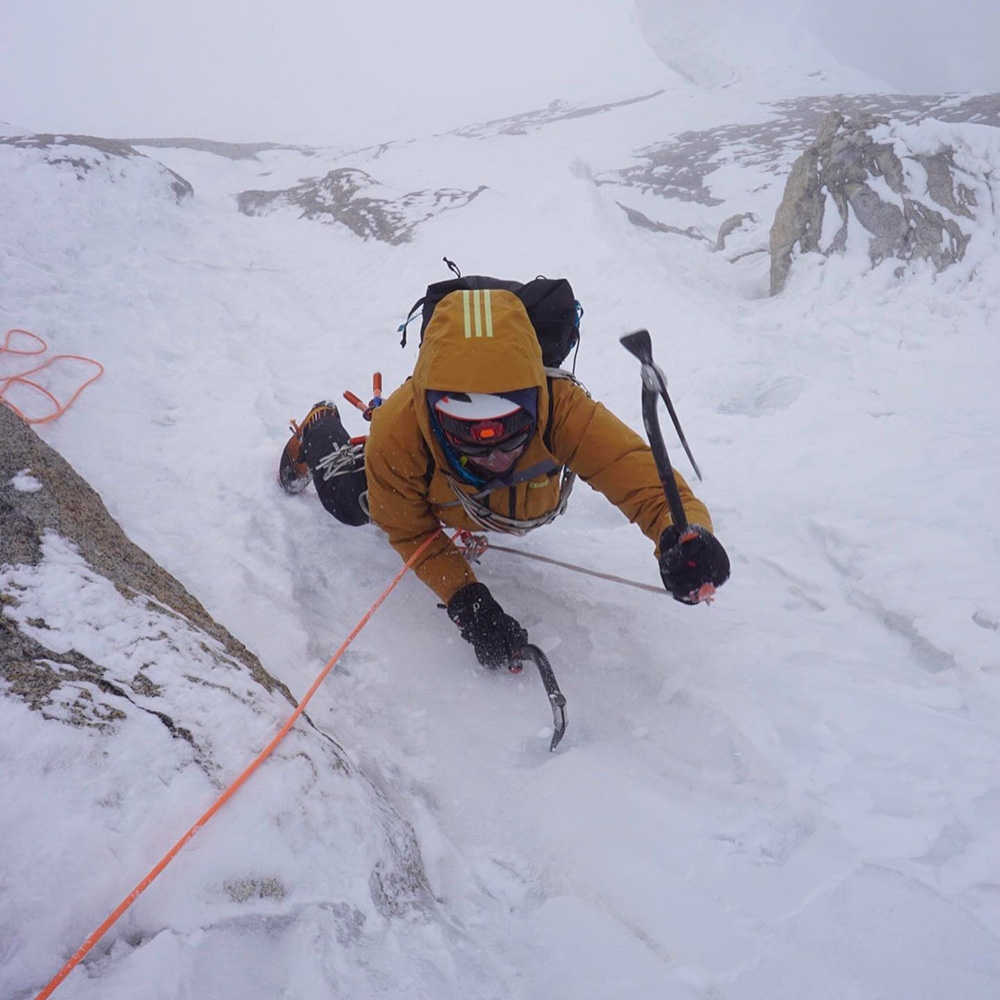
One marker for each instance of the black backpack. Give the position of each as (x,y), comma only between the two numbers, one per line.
(550,303)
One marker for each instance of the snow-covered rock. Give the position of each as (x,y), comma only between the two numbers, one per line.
(124,712)
(109,159)
(352,198)
(908,191)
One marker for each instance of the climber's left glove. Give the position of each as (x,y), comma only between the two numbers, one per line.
(692,563)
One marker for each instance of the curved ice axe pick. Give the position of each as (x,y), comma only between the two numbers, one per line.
(556,698)
(654,384)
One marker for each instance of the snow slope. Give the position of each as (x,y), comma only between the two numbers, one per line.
(792,793)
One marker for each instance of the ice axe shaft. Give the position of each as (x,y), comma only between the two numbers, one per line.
(654,385)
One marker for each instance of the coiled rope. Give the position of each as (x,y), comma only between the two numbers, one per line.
(23,379)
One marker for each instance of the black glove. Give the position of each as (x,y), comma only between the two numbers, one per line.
(686,566)
(494,635)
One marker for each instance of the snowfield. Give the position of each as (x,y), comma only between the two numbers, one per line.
(794,793)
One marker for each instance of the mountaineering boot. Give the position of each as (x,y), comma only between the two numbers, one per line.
(294,474)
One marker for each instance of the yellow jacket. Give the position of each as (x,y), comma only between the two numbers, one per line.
(482,341)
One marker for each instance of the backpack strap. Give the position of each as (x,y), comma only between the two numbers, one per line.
(550,375)
(454,268)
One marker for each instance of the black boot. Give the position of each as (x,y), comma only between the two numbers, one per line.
(337,468)
(294,473)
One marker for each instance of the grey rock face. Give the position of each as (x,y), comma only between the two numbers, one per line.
(87,153)
(695,167)
(531,121)
(69,507)
(643,221)
(123,682)
(847,165)
(229,150)
(344,196)
(681,168)
(64,683)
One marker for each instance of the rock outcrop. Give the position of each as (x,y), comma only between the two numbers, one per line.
(871,181)
(88,154)
(124,711)
(692,184)
(65,505)
(353,198)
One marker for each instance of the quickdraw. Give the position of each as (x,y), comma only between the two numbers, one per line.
(373,404)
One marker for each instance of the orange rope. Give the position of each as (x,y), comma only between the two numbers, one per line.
(22,378)
(233,788)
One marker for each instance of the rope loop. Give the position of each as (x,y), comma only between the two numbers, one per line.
(21,379)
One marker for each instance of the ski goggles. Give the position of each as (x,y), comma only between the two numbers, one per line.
(475,438)
(474,449)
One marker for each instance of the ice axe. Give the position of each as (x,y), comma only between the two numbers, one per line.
(654,386)
(557,700)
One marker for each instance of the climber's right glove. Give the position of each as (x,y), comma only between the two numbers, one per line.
(495,636)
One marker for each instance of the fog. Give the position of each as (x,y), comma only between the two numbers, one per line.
(302,70)
(308,71)
(918,46)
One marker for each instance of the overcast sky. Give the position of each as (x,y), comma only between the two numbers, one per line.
(314,71)
(295,69)
(920,46)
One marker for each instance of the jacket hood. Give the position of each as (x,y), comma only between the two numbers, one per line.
(479,340)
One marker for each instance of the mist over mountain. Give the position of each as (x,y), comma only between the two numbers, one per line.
(350,75)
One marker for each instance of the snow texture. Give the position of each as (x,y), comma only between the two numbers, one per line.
(793,793)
